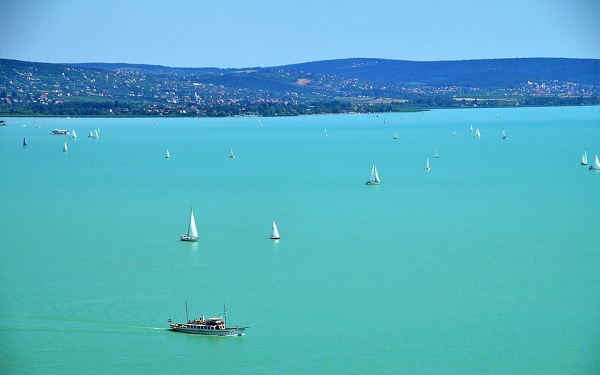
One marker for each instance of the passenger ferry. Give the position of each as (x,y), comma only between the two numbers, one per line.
(212,326)
(60,131)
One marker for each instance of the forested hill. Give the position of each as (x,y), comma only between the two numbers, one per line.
(334,86)
(488,74)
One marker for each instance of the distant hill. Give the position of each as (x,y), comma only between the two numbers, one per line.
(489,74)
(332,86)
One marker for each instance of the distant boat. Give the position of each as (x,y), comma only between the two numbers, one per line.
(96,134)
(496,115)
(59,132)
(192,232)
(326,132)
(471,128)
(65,149)
(504,136)
(477,133)
(374,179)
(231,154)
(24,143)
(596,165)
(168,155)
(91,135)
(427,167)
(583,158)
(454,132)
(216,326)
(436,154)
(73,134)
(396,135)
(274,232)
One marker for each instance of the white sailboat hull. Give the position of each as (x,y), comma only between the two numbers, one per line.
(188,238)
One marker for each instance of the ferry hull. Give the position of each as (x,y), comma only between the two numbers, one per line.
(184,328)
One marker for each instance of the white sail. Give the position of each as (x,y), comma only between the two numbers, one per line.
(427,167)
(477,133)
(96,135)
(168,155)
(231,154)
(374,178)
(192,231)
(596,164)
(436,154)
(73,134)
(584,158)
(504,134)
(326,132)
(471,128)
(91,135)
(274,232)
(65,147)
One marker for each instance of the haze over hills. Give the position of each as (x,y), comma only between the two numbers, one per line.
(333,86)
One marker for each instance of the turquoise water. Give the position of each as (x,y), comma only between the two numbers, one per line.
(486,264)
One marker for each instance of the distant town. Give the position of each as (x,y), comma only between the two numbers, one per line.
(336,86)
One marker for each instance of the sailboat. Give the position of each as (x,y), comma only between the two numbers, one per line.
(471,128)
(477,133)
(583,158)
(24,143)
(326,132)
(374,179)
(73,134)
(504,136)
(274,232)
(427,167)
(436,154)
(396,135)
(192,232)
(168,155)
(65,147)
(91,135)
(96,135)
(596,164)
(231,154)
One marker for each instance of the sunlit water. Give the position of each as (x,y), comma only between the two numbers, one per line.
(489,263)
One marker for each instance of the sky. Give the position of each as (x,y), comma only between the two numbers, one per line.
(264,33)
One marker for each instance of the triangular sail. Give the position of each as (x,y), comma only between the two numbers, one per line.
(73,134)
(427,166)
(375,175)
(65,147)
(596,164)
(192,231)
(584,160)
(274,232)
(24,142)
(168,155)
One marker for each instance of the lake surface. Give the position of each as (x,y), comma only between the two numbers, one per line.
(489,263)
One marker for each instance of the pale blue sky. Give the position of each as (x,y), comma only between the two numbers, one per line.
(248,33)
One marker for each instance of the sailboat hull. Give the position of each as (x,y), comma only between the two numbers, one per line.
(372,183)
(188,238)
